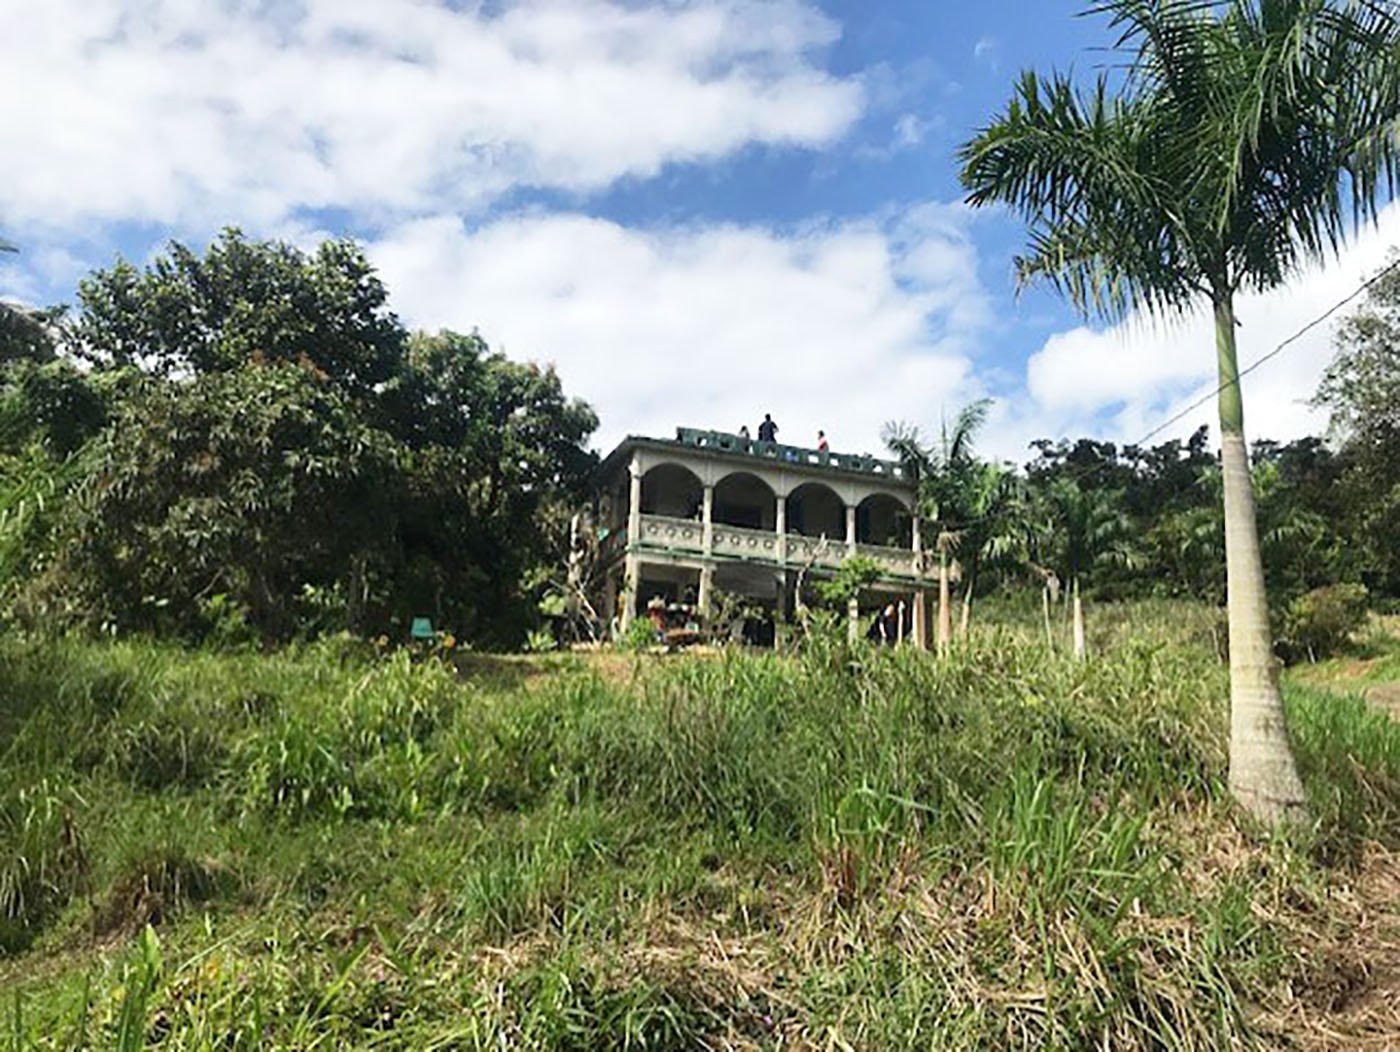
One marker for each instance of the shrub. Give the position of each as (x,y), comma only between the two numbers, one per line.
(1320,622)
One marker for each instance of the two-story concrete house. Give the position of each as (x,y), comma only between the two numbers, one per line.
(710,510)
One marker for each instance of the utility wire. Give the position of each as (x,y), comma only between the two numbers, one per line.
(1088,470)
(1365,286)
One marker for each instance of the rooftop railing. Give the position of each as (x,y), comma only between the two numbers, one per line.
(726,442)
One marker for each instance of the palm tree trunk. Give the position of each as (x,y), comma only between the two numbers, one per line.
(1078,623)
(966,612)
(945,618)
(1263,776)
(1045,608)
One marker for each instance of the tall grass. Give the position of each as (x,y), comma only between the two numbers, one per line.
(851,847)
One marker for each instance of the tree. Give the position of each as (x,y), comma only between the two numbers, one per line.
(254,484)
(989,531)
(1361,388)
(1087,527)
(1241,141)
(244,302)
(946,474)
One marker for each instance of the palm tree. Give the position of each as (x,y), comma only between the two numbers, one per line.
(989,534)
(1088,528)
(1243,139)
(945,473)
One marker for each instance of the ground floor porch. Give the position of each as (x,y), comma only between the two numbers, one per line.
(752,602)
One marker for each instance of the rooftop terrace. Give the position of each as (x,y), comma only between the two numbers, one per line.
(726,442)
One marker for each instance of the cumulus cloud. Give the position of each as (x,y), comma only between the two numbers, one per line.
(1121,382)
(838,325)
(171,112)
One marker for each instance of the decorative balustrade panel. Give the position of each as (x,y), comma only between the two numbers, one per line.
(744,543)
(688,535)
(663,531)
(819,551)
(891,560)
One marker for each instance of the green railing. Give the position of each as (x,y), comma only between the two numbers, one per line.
(724,441)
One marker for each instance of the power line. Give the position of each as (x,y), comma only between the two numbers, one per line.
(1088,470)
(1363,287)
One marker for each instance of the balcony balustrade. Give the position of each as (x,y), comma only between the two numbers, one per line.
(687,537)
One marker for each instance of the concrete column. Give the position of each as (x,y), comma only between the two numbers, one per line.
(707,519)
(917,541)
(632,582)
(780,517)
(707,585)
(634,505)
(852,619)
(850,529)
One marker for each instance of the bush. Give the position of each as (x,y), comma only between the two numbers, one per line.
(1320,622)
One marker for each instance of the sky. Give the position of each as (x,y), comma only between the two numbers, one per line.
(698,212)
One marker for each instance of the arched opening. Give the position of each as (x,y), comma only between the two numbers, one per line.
(884,520)
(814,510)
(745,500)
(671,490)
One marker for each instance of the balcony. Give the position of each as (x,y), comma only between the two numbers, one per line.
(687,537)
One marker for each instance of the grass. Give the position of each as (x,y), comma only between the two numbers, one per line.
(849,848)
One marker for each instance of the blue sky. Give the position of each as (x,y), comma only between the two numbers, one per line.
(698,211)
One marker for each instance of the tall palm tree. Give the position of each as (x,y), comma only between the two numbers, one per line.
(1243,139)
(946,473)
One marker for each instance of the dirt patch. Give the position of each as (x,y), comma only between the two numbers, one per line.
(1348,996)
(1386,697)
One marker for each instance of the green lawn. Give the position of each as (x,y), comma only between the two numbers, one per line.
(851,848)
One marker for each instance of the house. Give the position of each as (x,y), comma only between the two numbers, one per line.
(681,518)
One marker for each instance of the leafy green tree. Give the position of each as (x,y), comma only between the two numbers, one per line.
(1361,388)
(244,302)
(282,447)
(252,484)
(497,463)
(947,474)
(1239,142)
(54,404)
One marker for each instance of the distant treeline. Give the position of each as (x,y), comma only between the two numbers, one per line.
(248,445)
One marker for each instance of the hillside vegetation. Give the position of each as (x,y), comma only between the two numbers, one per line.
(849,848)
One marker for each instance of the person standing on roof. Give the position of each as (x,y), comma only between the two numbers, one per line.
(768,431)
(822,445)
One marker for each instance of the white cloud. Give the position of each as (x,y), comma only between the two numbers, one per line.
(909,131)
(1122,382)
(841,326)
(179,111)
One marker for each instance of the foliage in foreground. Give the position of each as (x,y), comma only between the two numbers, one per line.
(856,846)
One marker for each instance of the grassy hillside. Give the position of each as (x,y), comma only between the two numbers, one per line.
(323,848)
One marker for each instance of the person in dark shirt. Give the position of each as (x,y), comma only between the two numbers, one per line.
(768,431)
